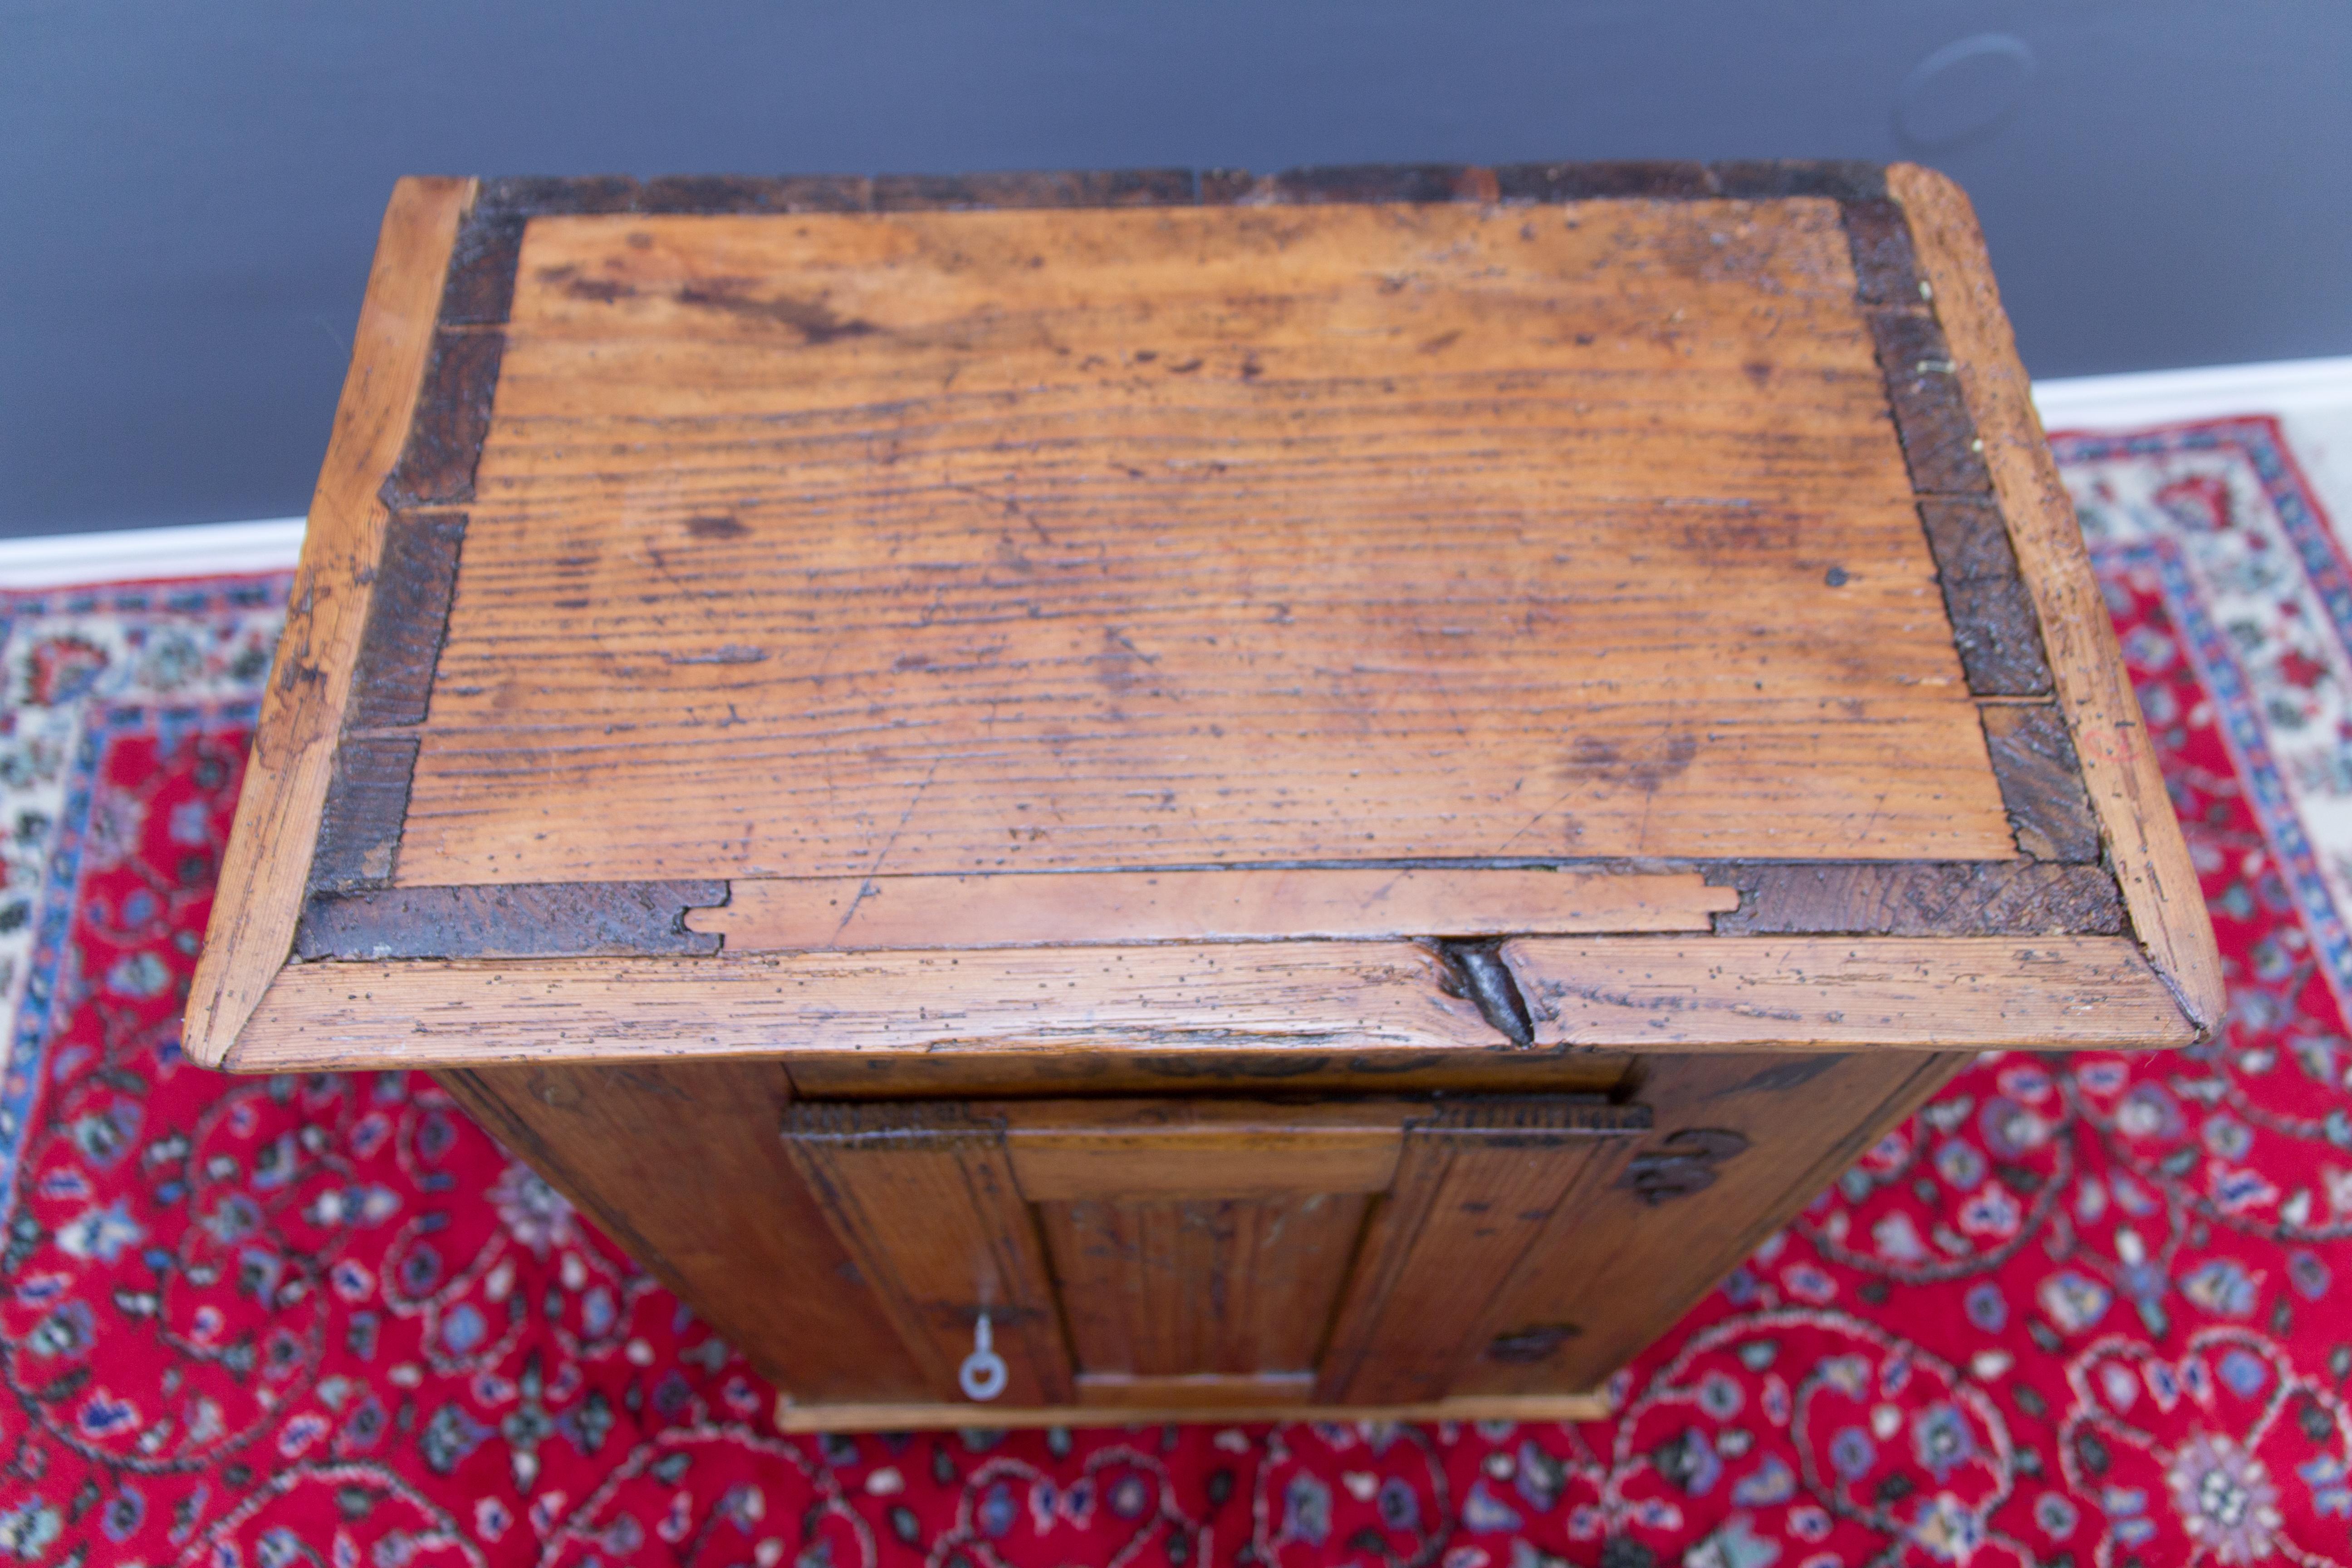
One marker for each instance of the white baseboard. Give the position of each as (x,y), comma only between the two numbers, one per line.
(196,550)
(2316,388)
(2209,391)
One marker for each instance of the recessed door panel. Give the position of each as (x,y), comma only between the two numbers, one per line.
(1201,1252)
(1183,1286)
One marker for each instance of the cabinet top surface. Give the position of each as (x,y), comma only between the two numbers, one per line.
(768,566)
(821,545)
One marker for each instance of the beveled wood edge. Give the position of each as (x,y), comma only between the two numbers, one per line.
(2145,847)
(796,1417)
(1820,994)
(258,898)
(1290,999)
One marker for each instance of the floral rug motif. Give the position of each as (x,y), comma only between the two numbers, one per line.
(2080,1310)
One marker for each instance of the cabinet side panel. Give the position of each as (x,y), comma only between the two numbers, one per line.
(1741,1144)
(683,1163)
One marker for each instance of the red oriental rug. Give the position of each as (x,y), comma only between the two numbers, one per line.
(2080,1311)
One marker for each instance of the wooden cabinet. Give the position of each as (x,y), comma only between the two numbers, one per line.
(1317,793)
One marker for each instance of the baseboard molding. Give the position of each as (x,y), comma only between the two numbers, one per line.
(2208,392)
(132,555)
(2088,402)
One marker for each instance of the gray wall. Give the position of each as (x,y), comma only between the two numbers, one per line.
(188,193)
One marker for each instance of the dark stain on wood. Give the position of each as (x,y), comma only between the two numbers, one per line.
(2040,781)
(1526,1346)
(359,832)
(453,415)
(1222,188)
(1885,272)
(1940,439)
(504,202)
(1920,899)
(1061,188)
(1995,629)
(1599,182)
(701,194)
(1684,1163)
(479,290)
(1595,761)
(1363,182)
(1758,179)
(1783,1075)
(817,323)
(1993,624)
(1230,1065)
(562,920)
(408,613)
(556,195)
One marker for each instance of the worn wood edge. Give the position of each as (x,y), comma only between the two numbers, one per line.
(258,898)
(796,1417)
(1797,994)
(482,287)
(2145,847)
(1973,994)
(1252,996)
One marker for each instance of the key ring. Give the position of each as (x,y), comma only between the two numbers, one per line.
(984,1373)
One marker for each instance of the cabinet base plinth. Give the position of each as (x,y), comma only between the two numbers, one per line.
(796,1417)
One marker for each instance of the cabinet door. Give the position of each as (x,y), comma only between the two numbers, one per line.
(1202,1253)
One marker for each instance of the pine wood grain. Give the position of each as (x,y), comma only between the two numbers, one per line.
(1823,992)
(847,913)
(1643,994)
(1215,535)
(263,872)
(1187,1287)
(2151,861)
